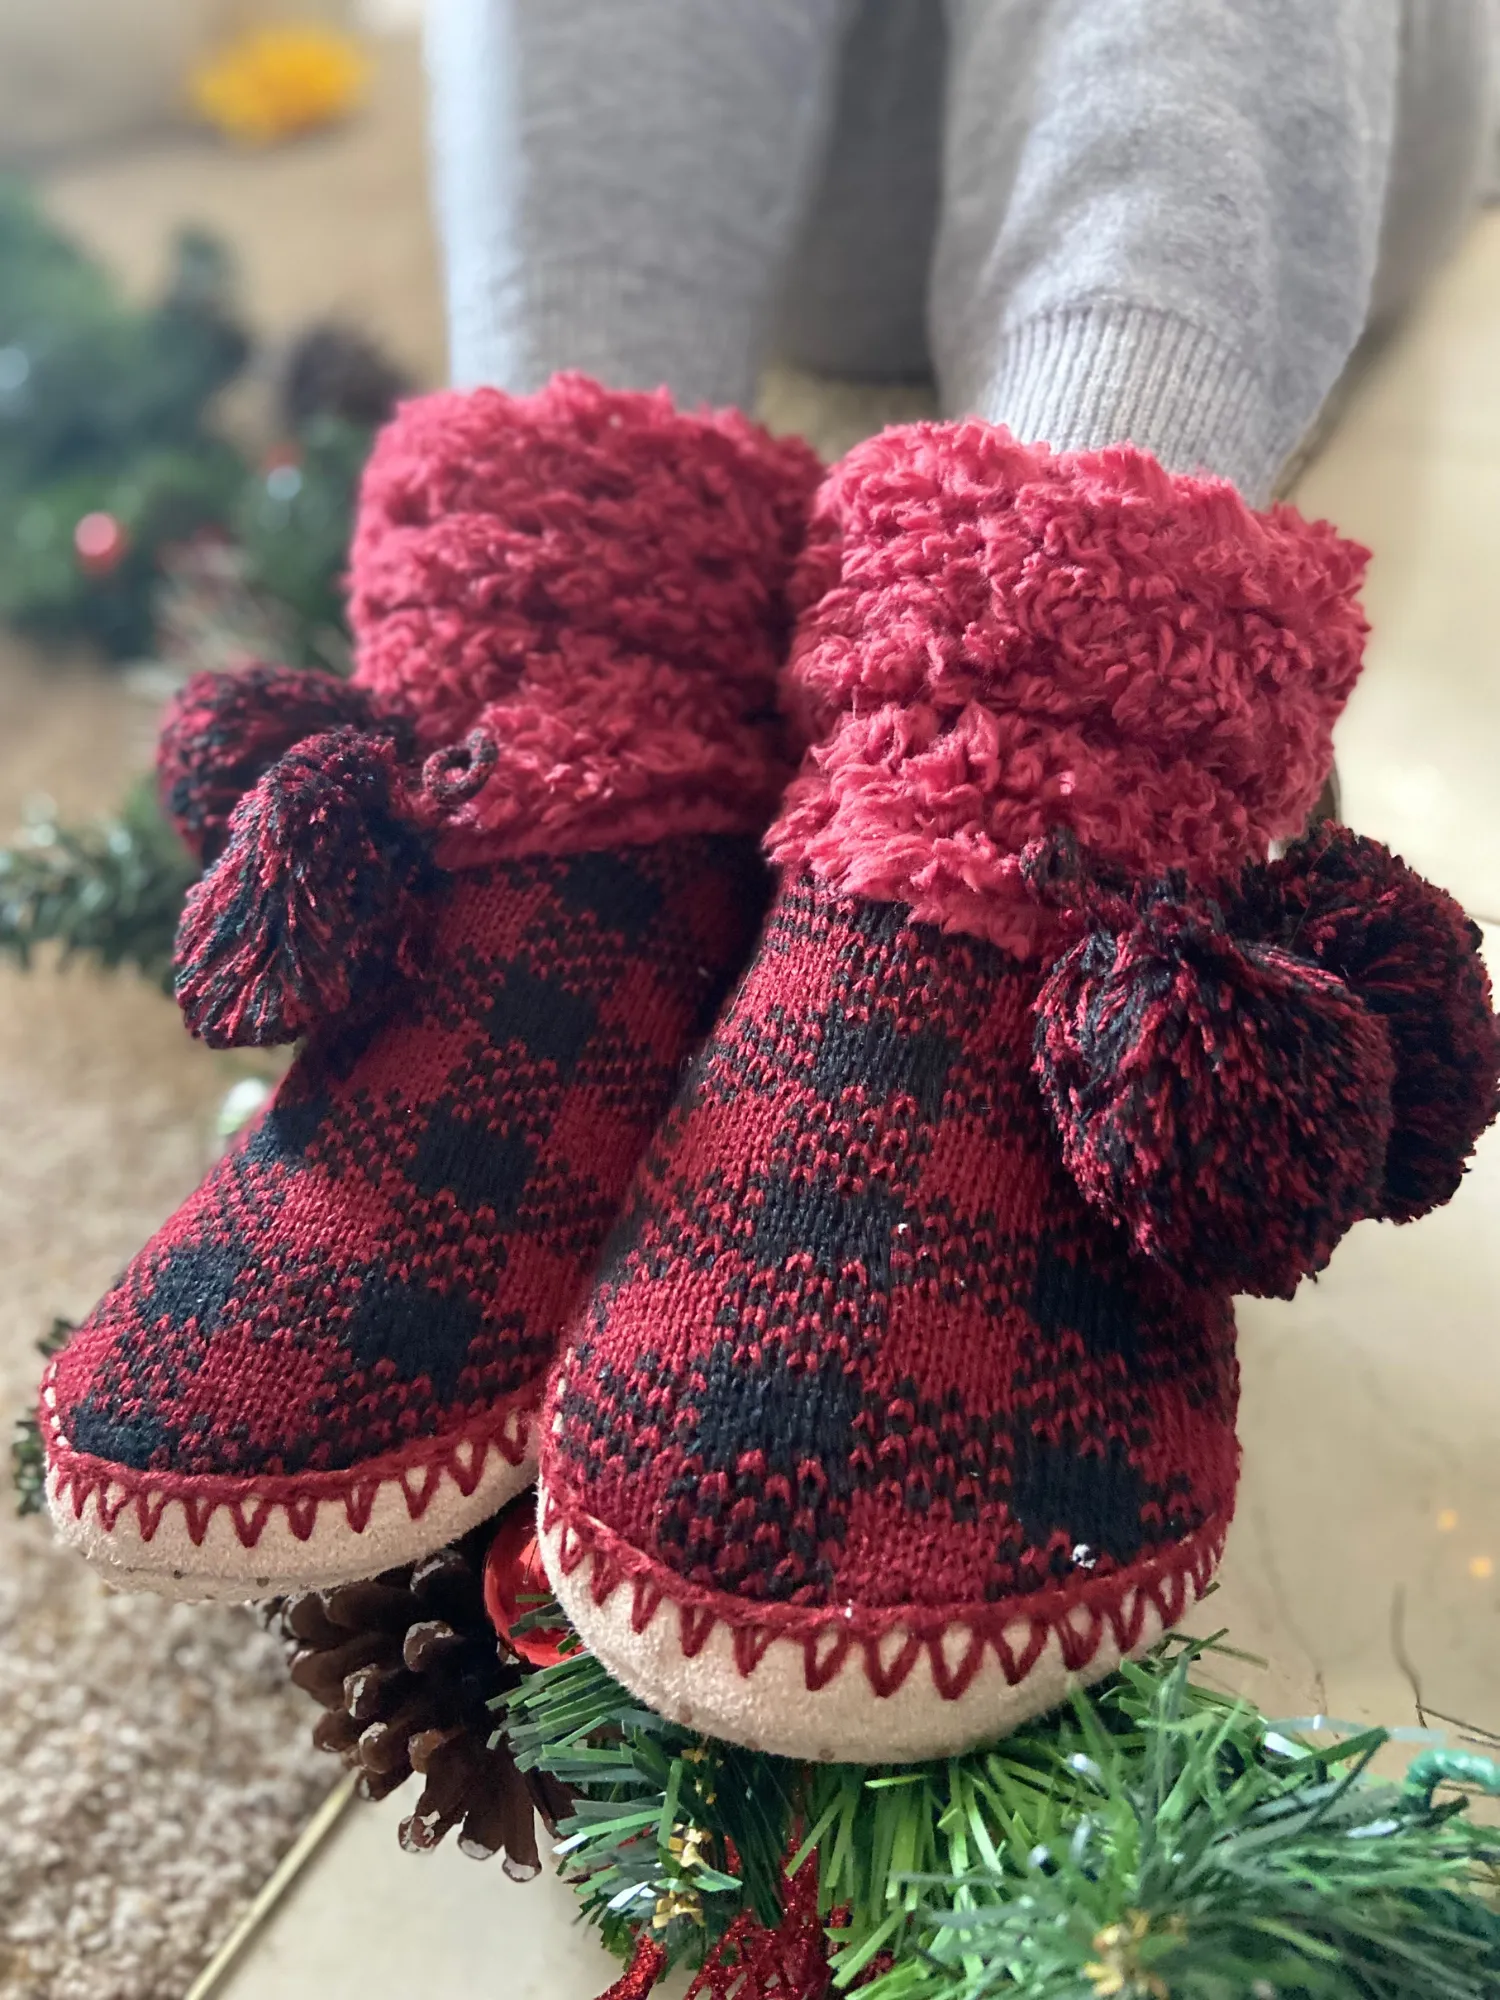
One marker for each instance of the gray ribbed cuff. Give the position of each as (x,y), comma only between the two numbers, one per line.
(1095,375)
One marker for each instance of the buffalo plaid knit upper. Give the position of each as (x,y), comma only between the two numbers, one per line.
(383,1258)
(859,1341)
(501,884)
(912,1358)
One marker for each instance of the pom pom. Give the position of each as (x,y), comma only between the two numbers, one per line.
(315,902)
(1409,953)
(1228,1105)
(221,732)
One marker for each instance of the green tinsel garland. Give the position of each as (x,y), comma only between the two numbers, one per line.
(1155,1841)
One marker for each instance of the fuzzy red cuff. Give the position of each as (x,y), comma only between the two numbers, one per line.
(599,582)
(999,641)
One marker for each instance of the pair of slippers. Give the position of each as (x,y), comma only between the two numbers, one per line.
(872,1325)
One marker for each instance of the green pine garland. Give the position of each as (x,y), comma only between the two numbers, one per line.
(28,1470)
(1155,1841)
(296,542)
(110,892)
(105,407)
(109,407)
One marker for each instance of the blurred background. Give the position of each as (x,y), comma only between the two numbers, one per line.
(216,272)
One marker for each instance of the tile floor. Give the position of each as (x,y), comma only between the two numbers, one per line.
(1365,1561)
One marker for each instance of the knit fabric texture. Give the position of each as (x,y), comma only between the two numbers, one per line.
(1000,642)
(861,1354)
(501,885)
(598,582)
(378,1270)
(915,1347)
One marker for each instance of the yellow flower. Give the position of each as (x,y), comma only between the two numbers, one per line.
(276,82)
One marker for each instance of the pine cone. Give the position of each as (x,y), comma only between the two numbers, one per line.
(405,1667)
(332,371)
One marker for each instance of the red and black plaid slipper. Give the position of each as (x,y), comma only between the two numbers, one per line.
(501,884)
(906,1398)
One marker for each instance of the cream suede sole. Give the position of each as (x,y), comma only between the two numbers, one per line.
(763,1697)
(246,1543)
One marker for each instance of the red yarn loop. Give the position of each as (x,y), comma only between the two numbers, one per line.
(1052,869)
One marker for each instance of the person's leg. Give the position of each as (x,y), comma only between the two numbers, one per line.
(1445,117)
(854,299)
(1161,218)
(619,182)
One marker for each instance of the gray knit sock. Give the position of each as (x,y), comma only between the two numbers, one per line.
(1159,220)
(619,182)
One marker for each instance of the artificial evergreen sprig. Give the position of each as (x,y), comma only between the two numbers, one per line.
(111,891)
(28,1468)
(669,1829)
(1154,1841)
(1200,1857)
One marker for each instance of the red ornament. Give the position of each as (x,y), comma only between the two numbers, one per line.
(99,542)
(515,1584)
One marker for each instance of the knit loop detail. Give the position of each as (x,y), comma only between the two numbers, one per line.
(451,777)
(598,579)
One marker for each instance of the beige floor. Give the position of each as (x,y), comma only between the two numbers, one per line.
(1366,1559)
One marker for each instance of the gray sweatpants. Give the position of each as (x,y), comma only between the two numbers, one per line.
(1166,221)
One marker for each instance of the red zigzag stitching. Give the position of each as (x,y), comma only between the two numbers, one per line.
(825,1650)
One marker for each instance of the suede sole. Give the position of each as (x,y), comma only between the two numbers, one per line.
(923,1685)
(239,1540)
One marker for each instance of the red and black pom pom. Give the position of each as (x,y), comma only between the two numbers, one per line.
(318,899)
(1228,1104)
(1412,957)
(1237,1087)
(222,732)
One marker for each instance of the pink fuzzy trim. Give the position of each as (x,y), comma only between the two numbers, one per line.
(1000,641)
(600,583)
